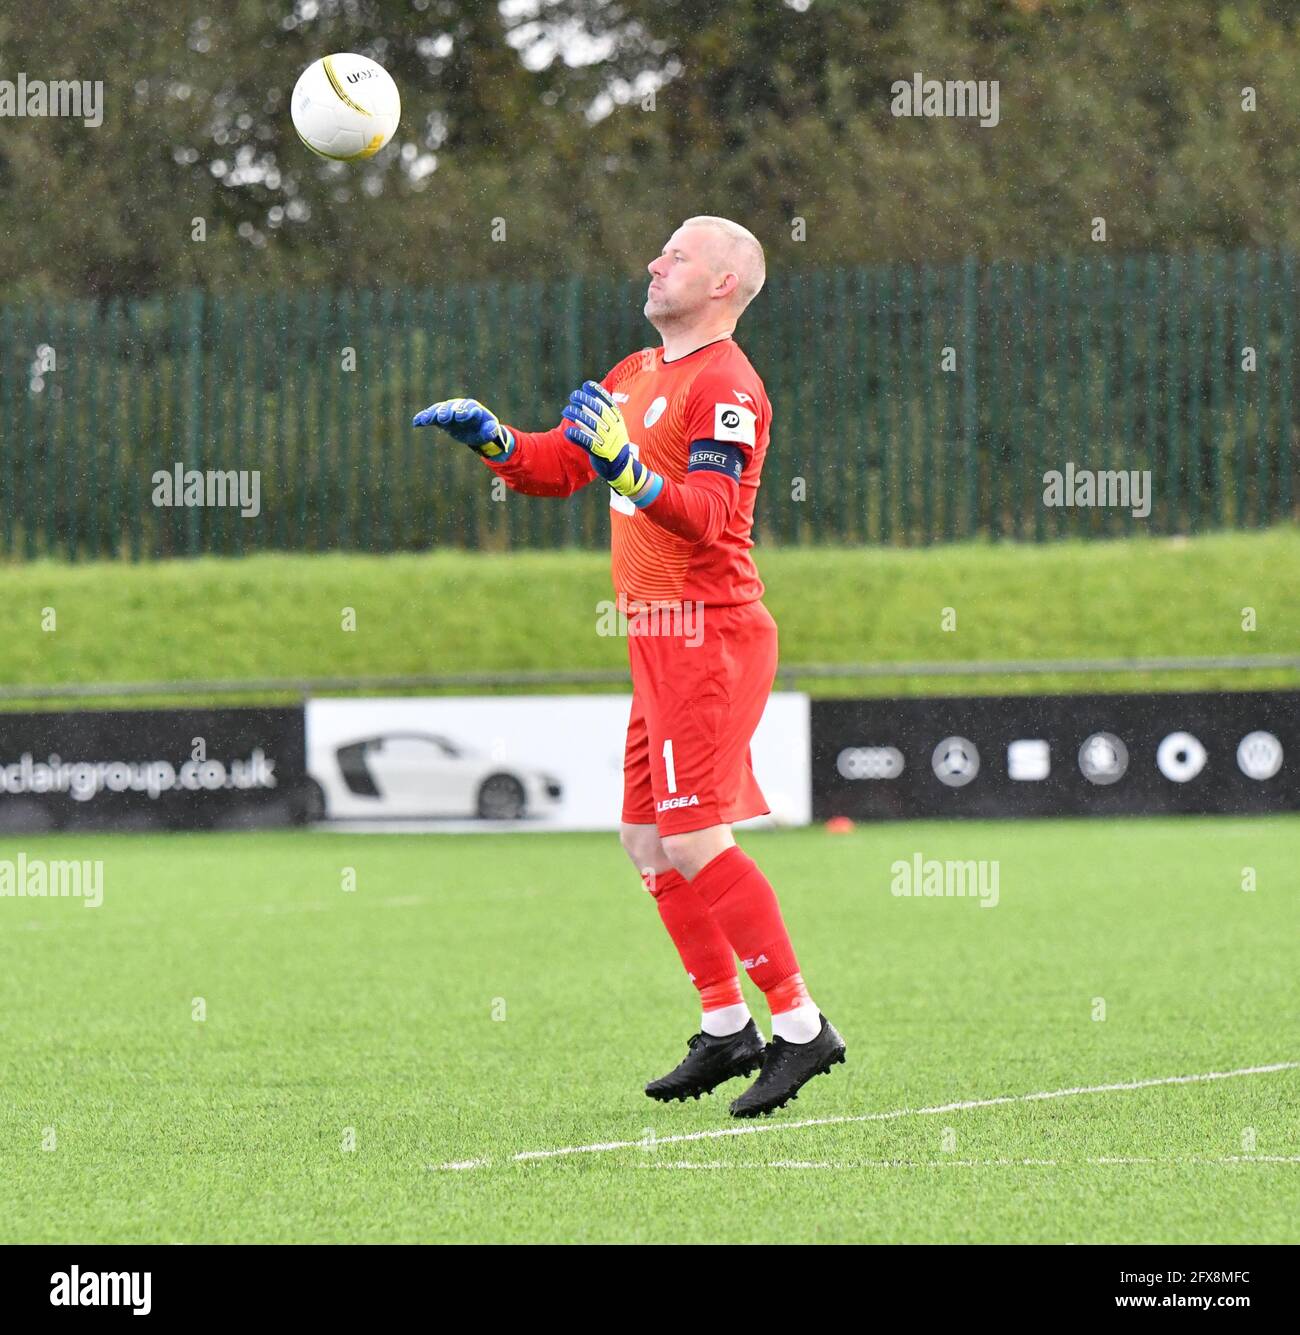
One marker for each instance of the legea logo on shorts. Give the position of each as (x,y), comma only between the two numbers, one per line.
(671,803)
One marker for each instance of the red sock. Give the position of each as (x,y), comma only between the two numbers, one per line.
(704,950)
(788,996)
(743,903)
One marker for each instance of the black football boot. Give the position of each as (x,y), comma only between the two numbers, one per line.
(787,1068)
(708,1062)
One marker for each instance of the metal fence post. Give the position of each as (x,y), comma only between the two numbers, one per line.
(969,405)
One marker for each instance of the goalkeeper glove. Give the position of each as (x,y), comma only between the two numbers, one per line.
(469,422)
(598,427)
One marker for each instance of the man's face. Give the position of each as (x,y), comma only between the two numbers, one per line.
(681,277)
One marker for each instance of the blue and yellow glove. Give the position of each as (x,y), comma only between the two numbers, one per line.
(469,422)
(598,427)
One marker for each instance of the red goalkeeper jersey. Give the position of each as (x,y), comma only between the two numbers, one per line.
(702,422)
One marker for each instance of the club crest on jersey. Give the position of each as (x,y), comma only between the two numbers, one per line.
(733,423)
(655,411)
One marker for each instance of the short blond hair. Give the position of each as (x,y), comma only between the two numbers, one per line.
(741,252)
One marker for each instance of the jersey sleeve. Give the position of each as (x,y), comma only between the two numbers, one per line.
(723,424)
(543,463)
(548,463)
(726,406)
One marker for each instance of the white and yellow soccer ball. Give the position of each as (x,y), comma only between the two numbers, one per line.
(345,107)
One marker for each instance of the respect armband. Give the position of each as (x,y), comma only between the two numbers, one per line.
(716,456)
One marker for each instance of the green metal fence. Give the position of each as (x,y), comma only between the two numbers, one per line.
(912,404)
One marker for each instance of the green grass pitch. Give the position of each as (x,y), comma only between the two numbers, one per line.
(279,614)
(476,998)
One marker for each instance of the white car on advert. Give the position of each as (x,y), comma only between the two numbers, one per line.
(421,775)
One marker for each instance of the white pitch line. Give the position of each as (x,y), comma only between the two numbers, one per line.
(1108,1162)
(607,1146)
(270,910)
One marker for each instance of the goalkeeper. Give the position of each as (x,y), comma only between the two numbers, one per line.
(678,434)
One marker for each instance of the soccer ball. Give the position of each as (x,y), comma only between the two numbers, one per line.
(345,107)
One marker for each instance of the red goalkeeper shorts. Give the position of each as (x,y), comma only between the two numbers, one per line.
(697,696)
